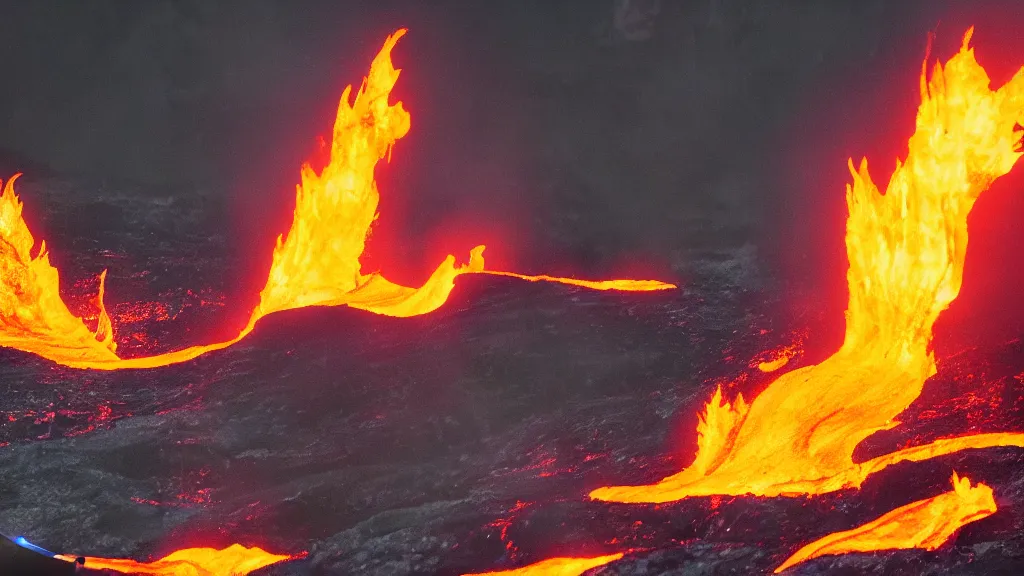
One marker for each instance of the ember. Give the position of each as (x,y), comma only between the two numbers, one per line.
(315,264)
(906,251)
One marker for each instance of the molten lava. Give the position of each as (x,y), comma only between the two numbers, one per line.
(32,315)
(906,250)
(926,524)
(555,567)
(315,264)
(235,560)
(778,358)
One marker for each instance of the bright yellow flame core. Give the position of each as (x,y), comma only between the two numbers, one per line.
(235,560)
(32,315)
(925,524)
(316,264)
(555,567)
(906,251)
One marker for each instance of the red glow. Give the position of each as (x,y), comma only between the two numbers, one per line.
(235,560)
(927,524)
(317,263)
(555,567)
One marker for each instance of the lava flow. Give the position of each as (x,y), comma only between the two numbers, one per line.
(906,250)
(926,524)
(32,315)
(315,264)
(235,560)
(555,567)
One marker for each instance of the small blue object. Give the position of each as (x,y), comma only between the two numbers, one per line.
(20,541)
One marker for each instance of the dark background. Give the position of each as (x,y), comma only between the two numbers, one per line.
(566,142)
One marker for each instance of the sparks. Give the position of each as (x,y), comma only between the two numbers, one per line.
(317,263)
(906,250)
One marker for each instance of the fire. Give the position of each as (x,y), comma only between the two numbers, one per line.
(235,560)
(555,567)
(315,264)
(906,250)
(32,315)
(926,524)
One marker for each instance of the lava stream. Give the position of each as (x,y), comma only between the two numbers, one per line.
(555,567)
(235,560)
(906,250)
(925,524)
(315,264)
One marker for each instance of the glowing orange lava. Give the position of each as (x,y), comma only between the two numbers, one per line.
(779,359)
(32,315)
(315,264)
(235,560)
(555,567)
(906,250)
(926,524)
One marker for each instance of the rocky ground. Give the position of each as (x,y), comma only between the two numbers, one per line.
(464,440)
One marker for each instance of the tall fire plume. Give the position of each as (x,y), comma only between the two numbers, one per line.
(315,264)
(906,250)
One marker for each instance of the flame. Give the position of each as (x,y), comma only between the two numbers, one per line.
(555,567)
(235,560)
(315,264)
(925,524)
(906,250)
(32,315)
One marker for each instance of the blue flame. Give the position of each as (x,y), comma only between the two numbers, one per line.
(20,541)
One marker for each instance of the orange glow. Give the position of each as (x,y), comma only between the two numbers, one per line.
(315,264)
(779,358)
(32,315)
(555,567)
(624,285)
(926,524)
(235,560)
(906,250)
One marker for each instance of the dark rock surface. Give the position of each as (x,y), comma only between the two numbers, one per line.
(464,440)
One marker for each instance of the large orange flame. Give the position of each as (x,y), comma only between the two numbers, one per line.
(32,315)
(906,251)
(315,264)
(235,560)
(926,524)
(555,567)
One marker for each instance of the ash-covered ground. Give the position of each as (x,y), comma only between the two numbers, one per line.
(459,441)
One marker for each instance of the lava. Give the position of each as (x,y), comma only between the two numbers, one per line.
(555,567)
(906,250)
(777,359)
(925,524)
(317,263)
(33,317)
(235,560)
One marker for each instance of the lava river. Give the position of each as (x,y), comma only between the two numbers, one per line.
(316,264)
(235,560)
